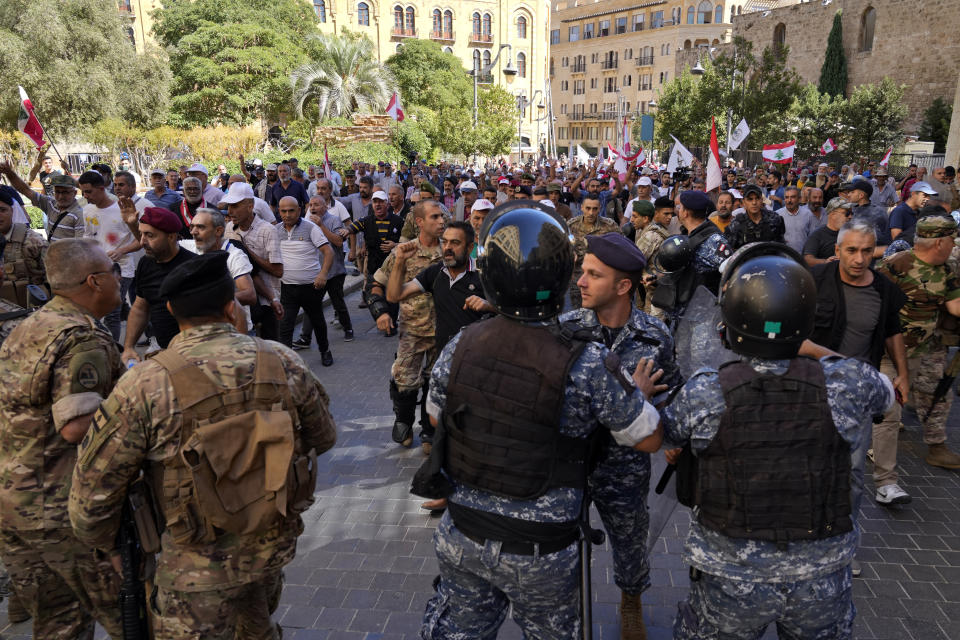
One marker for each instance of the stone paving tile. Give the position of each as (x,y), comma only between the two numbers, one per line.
(365,566)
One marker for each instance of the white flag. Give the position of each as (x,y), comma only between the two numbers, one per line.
(582,156)
(739,134)
(680,156)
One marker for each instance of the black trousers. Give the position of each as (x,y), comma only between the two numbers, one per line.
(267,319)
(294,297)
(335,289)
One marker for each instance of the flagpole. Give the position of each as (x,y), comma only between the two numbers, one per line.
(43,130)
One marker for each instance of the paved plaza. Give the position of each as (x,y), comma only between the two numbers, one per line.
(366,563)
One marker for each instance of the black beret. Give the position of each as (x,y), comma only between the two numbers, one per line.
(862,185)
(522,189)
(201,275)
(696,200)
(615,250)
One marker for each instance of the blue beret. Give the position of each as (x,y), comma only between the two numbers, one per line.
(615,250)
(696,200)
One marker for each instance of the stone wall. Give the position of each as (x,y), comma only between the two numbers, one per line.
(365,128)
(915,43)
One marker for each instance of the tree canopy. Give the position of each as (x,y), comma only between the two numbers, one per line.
(78,66)
(833,73)
(936,124)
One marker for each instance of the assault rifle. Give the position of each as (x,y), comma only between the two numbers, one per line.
(133,601)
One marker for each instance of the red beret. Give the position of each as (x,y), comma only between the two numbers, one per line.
(162,218)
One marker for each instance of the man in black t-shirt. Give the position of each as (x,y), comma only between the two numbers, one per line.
(821,246)
(159,234)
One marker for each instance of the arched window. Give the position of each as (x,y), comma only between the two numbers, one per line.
(718,18)
(411,22)
(740,10)
(690,15)
(128,31)
(437,21)
(704,9)
(399,46)
(447,50)
(486,58)
(867,26)
(522,65)
(320,8)
(668,48)
(686,44)
(398,18)
(476,60)
(363,14)
(476,23)
(733,12)
(521,27)
(448,23)
(779,36)
(487,25)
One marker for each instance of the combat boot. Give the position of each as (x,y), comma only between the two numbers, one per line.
(404,410)
(938,455)
(16,612)
(631,617)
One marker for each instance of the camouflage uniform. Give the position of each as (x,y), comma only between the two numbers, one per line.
(621,481)
(418,320)
(9,322)
(478,582)
(204,590)
(22,263)
(57,365)
(410,229)
(580,229)
(742,230)
(927,288)
(746,584)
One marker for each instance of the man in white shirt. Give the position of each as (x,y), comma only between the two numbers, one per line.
(304,277)
(103,222)
(798,223)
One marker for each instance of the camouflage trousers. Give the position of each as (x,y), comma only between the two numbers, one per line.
(62,583)
(478,583)
(925,373)
(415,357)
(242,612)
(726,609)
(619,487)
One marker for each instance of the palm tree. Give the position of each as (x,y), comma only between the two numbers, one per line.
(344,79)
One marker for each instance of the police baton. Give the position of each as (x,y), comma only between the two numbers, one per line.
(588,537)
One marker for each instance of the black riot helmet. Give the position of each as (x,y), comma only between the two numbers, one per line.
(767,301)
(525,260)
(673,255)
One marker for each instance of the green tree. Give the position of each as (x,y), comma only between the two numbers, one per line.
(496,119)
(78,66)
(344,79)
(427,76)
(833,73)
(873,119)
(813,117)
(231,59)
(936,124)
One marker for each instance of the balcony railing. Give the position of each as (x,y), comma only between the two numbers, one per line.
(481,38)
(644,61)
(445,36)
(608,64)
(579,68)
(126,8)
(403,32)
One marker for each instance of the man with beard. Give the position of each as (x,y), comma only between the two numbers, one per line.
(380,233)
(159,231)
(192,200)
(454,283)
(64,213)
(260,206)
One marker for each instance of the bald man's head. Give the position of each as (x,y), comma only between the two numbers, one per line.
(289,210)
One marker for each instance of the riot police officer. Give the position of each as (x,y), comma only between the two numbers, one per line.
(516,399)
(772,523)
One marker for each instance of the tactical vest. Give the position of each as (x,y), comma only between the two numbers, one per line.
(674,290)
(240,467)
(777,469)
(504,397)
(11,315)
(16,277)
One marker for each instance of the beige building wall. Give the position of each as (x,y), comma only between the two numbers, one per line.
(522,24)
(137,20)
(621,67)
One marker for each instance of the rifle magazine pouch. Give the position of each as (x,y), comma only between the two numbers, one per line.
(144,519)
(303,480)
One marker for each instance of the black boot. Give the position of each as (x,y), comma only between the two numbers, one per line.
(404,409)
(426,429)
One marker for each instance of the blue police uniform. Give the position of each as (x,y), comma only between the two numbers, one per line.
(744,585)
(620,482)
(478,581)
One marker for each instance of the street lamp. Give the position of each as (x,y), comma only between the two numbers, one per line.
(509,71)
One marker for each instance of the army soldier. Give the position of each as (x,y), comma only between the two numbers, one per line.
(57,366)
(59,203)
(932,290)
(621,481)
(649,243)
(772,537)
(509,535)
(588,223)
(418,319)
(218,572)
(756,223)
(22,258)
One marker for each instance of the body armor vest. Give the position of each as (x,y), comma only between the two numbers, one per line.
(504,398)
(674,290)
(240,466)
(16,277)
(777,469)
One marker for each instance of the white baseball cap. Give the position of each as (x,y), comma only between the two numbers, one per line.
(923,187)
(481,205)
(469,185)
(379,195)
(238,192)
(196,166)
(644,182)
(257,162)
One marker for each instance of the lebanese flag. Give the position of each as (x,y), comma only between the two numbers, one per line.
(779,153)
(27,121)
(714,175)
(394,110)
(827,147)
(639,156)
(327,169)
(886,157)
(626,137)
